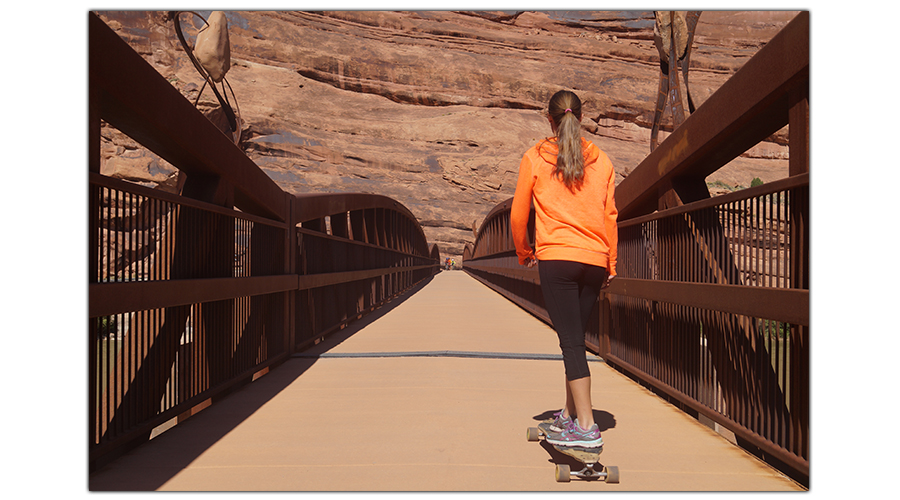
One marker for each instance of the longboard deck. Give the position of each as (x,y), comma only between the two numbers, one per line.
(583,455)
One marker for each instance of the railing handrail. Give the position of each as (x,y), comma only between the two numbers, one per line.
(316,205)
(743,194)
(111,182)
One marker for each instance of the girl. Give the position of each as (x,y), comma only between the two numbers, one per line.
(571,183)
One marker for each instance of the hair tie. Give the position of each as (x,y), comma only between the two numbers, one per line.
(568,110)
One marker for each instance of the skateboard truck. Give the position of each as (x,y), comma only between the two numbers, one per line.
(564,473)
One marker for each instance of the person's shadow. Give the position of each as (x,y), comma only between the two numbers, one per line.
(604,421)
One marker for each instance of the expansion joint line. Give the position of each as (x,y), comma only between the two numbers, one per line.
(443,354)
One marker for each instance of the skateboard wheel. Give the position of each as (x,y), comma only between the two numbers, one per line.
(563,473)
(612,474)
(532,434)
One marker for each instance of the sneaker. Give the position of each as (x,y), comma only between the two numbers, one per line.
(574,435)
(560,422)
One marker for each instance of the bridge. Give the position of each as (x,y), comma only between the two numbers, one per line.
(244,338)
(419,396)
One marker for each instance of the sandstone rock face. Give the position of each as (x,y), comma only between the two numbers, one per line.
(435,109)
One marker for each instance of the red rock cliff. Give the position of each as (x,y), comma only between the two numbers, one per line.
(435,109)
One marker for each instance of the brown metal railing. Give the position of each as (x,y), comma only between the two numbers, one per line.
(706,310)
(191,294)
(711,303)
(368,250)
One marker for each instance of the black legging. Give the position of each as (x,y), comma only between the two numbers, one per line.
(570,291)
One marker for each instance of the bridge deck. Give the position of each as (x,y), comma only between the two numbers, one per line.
(443,406)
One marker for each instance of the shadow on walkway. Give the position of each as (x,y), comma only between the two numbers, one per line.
(176,448)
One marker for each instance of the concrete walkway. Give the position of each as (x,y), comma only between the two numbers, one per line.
(443,407)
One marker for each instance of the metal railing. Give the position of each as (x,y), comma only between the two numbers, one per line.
(707,311)
(192,294)
(711,304)
(370,249)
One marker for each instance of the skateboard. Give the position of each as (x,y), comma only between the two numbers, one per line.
(588,457)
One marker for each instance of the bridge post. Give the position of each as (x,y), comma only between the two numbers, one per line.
(798,130)
(291,249)
(605,325)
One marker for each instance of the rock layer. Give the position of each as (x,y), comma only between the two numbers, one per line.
(435,109)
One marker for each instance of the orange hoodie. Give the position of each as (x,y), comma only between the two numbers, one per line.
(576,225)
